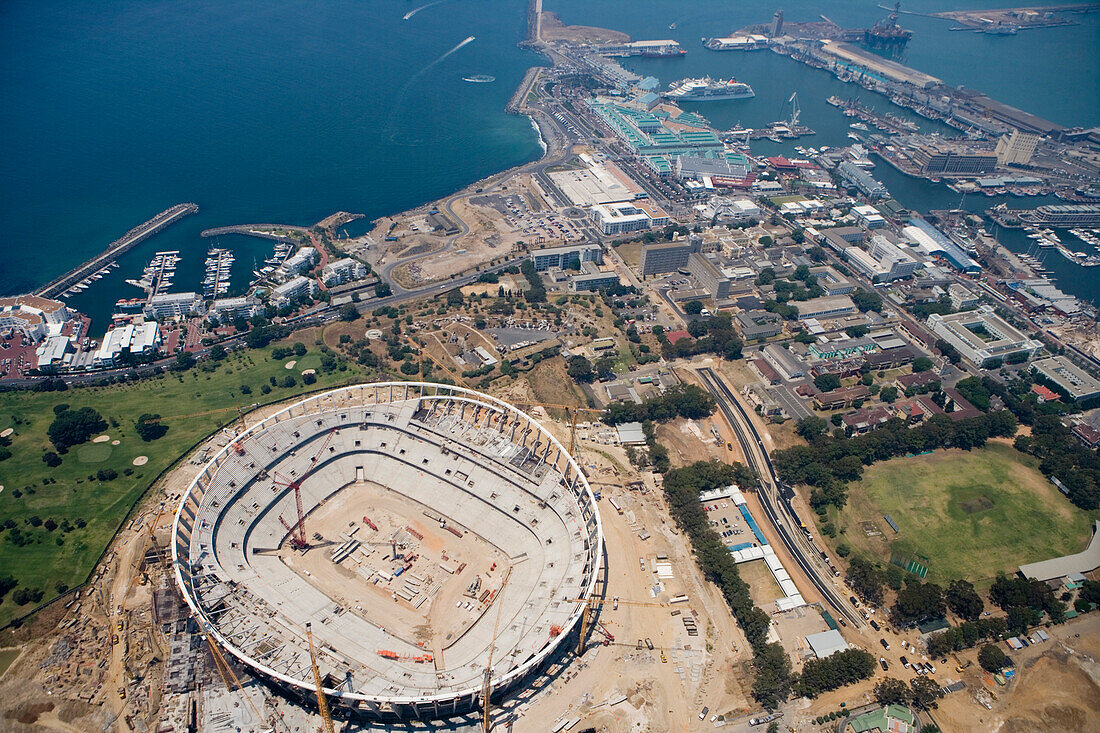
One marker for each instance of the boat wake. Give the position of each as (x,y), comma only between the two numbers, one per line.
(417,75)
(411,13)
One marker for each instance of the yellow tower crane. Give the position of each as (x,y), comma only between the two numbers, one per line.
(226,673)
(590,606)
(487,682)
(322,704)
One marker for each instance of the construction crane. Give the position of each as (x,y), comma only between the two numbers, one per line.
(487,682)
(146,535)
(298,530)
(224,669)
(322,704)
(572,411)
(590,606)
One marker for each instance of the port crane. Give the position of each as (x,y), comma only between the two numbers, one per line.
(322,703)
(298,530)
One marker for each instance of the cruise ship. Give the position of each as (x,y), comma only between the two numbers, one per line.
(707,89)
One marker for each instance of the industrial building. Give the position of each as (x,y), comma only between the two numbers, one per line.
(859,60)
(862,180)
(565,256)
(934,243)
(1069,378)
(632,216)
(592,278)
(1016,148)
(951,157)
(883,261)
(600,182)
(709,276)
(470,499)
(668,256)
(982,336)
(828,306)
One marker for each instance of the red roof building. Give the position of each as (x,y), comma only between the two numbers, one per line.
(674,336)
(1045,394)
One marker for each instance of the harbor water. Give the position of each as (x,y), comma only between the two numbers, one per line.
(285,111)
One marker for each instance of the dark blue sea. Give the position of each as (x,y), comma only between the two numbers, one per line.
(288,110)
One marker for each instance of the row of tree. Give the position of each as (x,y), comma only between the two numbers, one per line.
(713,335)
(1063,457)
(686,400)
(836,670)
(682,486)
(830,461)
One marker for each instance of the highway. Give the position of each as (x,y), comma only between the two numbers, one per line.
(776,506)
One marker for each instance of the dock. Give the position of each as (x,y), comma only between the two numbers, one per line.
(126,242)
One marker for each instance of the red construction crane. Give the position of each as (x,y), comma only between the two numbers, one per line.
(298,530)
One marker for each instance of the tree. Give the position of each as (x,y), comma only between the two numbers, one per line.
(922,364)
(72,427)
(382,290)
(892,691)
(184,361)
(888,394)
(992,659)
(149,427)
(218,352)
(925,692)
(454,297)
(766,276)
(693,307)
(580,369)
(827,382)
(963,600)
(812,426)
(918,602)
(348,312)
(867,301)
(51,459)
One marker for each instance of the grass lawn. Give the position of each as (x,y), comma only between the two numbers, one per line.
(53,559)
(973,514)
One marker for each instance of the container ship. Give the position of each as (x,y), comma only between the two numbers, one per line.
(707,89)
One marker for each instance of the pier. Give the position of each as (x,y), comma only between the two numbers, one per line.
(126,242)
(257,230)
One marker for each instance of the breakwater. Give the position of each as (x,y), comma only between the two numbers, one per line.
(121,245)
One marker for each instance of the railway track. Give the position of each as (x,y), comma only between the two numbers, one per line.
(770,496)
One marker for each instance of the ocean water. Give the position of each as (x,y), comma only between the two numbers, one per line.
(287,110)
(272,111)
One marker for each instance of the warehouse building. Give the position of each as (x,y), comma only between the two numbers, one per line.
(1069,378)
(825,307)
(982,336)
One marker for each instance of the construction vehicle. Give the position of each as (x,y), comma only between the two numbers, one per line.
(322,703)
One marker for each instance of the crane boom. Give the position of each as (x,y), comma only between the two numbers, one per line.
(486,686)
(223,668)
(322,704)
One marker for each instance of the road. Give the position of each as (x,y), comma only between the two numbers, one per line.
(777,509)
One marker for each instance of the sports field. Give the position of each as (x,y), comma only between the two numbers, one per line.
(971,514)
(192,404)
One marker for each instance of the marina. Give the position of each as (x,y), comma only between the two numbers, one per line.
(219,264)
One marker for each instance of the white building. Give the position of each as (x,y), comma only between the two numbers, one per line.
(296,287)
(868,217)
(169,306)
(726,209)
(828,306)
(32,316)
(138,339)
(227,309)
(632,216)
(982,336)
(961,298)
(300,261)
(341,271)
(1016,148)
(882,262)
(52,351)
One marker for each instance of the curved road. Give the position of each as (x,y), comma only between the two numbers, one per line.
(755,452)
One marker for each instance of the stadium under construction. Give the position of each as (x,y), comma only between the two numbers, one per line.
(439,541)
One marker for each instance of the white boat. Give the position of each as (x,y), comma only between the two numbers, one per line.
(705,89)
